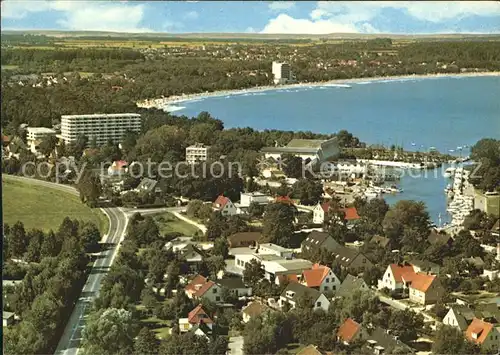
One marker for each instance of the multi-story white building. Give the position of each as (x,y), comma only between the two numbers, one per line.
(281,73)
(36,134)
(103,127)
(197,152)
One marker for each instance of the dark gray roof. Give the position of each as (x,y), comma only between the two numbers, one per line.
(190,248)
(380,338)
(424,264)
(245,236)
(203,327)
(350,285)
(380,240)
(345,255)
(436,238)
(317,239)
(232,283)
(464,315)
(300,291)
(476,261)
(147,184)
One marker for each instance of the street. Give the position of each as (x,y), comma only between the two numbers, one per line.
(72,336)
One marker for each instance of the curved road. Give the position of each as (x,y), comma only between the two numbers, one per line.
(71,338)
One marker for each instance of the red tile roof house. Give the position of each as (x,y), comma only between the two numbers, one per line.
(484,334)
(196,316)
(225,206)
(200,288)
(349,331)
(424,289)
(321,210)
(393,276)
(321,278)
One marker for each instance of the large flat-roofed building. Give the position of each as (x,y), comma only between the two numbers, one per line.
(281,73)
(103,127)
(35,135)
(197,152)
(317,150)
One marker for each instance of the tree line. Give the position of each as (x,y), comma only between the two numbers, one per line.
(53,268)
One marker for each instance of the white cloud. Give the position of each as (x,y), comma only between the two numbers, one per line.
(191,15)
(434,11)
(349,17)
(277,6)
(83,15)
(286,24)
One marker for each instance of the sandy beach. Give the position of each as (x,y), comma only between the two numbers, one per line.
(164,102)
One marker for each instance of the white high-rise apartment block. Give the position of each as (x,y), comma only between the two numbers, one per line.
(35,135)
(281,72)
(103,127)
(197,152)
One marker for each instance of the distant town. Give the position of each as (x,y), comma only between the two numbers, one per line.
(133,230)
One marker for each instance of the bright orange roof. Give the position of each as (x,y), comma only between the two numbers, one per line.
(480,329)
(421,281)
(195,284)
(221,201)
(198,314)
(351,214)
(204,288)
(348,330)
(315,276)
(399,270)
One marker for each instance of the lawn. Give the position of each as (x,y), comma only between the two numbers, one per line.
(159,326)
(168,223)
(9,67)
(45,208)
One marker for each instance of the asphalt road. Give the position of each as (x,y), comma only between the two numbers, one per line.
(71,338)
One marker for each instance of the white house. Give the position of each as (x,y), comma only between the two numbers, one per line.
(247,198)
(225,206)
(321,278)
(201,288)
(197,316)
(459,316)
(273,265)
(321,210)
(274,249)
(393,276)
(295,291)
(7,318)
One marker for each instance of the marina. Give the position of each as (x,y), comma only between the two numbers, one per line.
(359,111)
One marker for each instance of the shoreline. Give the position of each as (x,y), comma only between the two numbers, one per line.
(165,102)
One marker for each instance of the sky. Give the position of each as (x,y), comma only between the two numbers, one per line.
(304,17)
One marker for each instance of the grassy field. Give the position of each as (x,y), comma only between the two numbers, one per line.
(168,223)
(9,67)
(45,208)
(159,326)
